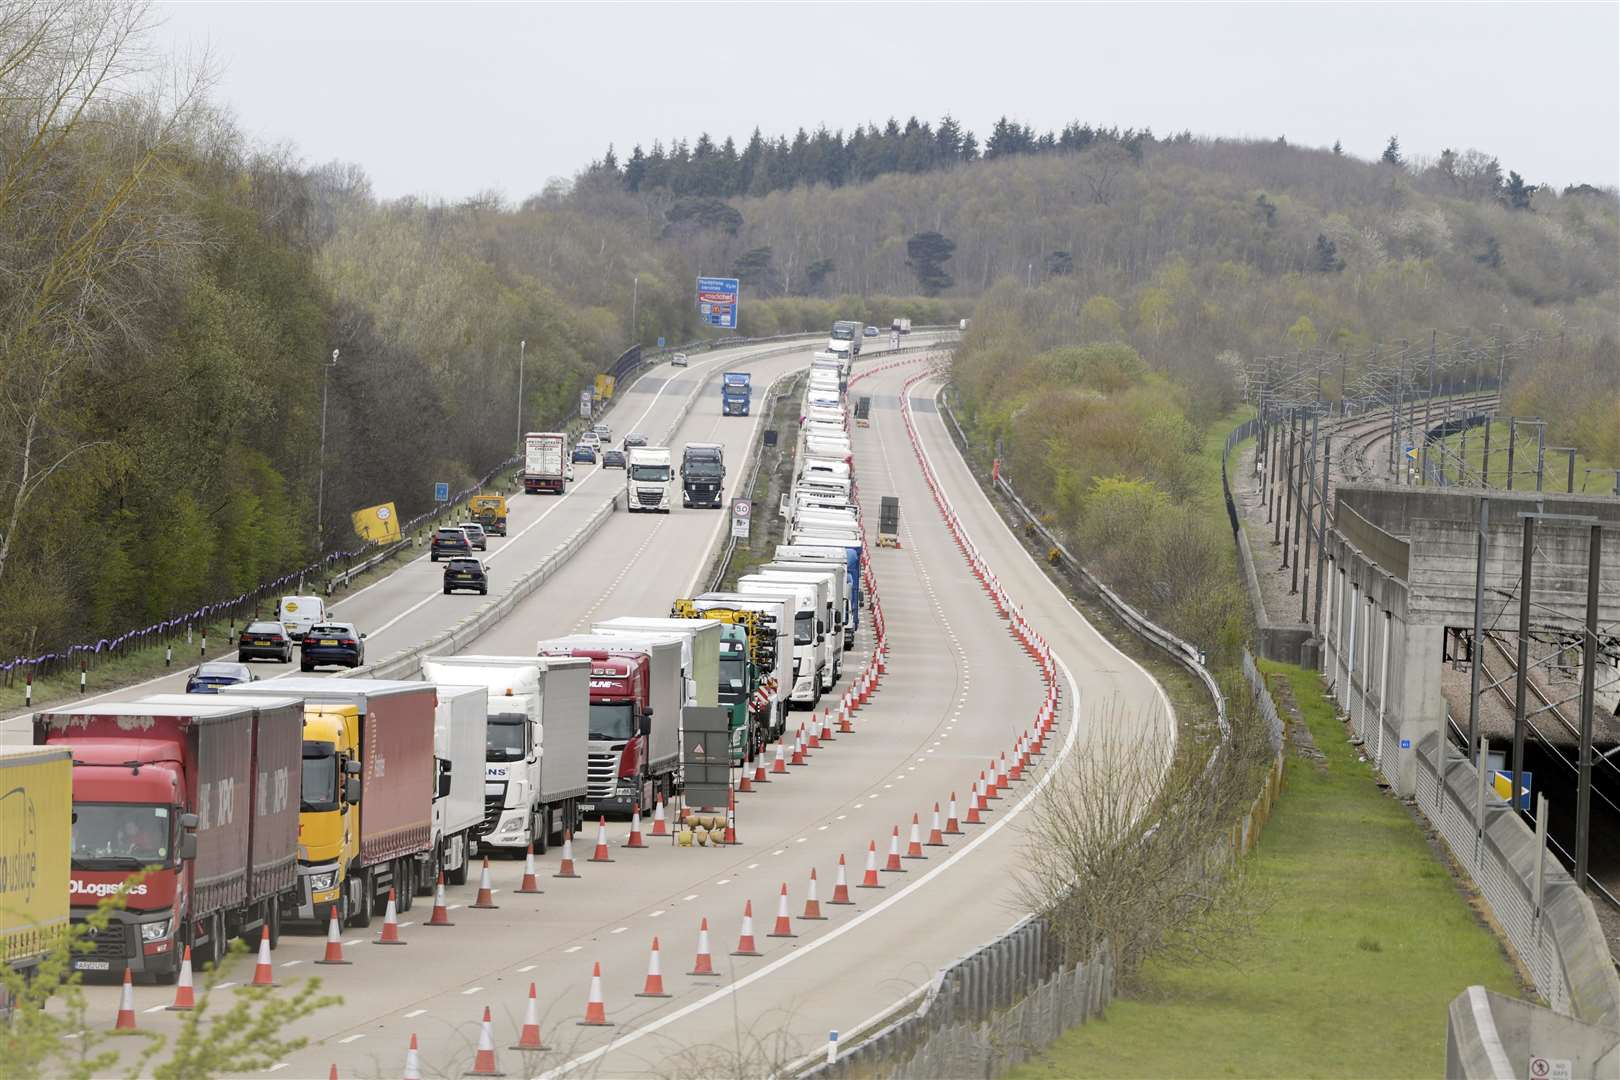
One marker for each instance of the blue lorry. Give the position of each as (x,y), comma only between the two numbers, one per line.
(736,390)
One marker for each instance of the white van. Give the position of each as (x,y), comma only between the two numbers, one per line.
(298,613)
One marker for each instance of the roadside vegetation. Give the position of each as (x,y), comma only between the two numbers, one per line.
(1353,939)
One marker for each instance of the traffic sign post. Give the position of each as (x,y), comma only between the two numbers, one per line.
(441,492)
(585,404)
(741,514)
(718,299)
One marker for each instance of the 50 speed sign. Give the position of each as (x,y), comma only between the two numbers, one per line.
(741,512)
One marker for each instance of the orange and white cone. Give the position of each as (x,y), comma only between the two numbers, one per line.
(390,926)
(635,840)
(840,894)
(441,910)
(704,964)
(973,817)
(660,823)
(486,890)
(780,764)
(185,998)
(812,903)
(334,941)
(595,1010)
(745,940)
(914,841)
(844,726)
(565,868)
(263,974)
(797,757)
(869,880)
(731,819)
(654,986)
(529,1037)
(992,784)
(784,925)
(484,1061)
(601,852)
(892,864)
(126,1004)
(413,1063)
(759,770)
(983,792)
(952,827)
(531,883)
(936,836)
(826,726)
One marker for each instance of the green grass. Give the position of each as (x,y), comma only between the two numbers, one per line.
(1555,475)
(1363,941)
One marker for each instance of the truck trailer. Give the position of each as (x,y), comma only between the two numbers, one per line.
(36,814)
(545,462)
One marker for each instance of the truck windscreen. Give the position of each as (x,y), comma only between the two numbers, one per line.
(504,737)
(733,672)
(120,835)
(843,333)
(702,467)
(650,473)
(804,629)
(612,722)
(319,792)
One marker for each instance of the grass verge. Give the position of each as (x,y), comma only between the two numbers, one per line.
(1364,940)
(1469,448)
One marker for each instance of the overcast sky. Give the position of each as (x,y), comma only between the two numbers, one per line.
(451,99)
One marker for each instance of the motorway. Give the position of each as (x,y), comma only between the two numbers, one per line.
(958,690)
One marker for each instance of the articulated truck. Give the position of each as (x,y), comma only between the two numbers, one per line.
(812,651)
(199,799)
(837,554)
(370,780)
(832,578)
(535,747)
(36,811)
(747,671)
(736,393)
(636,691)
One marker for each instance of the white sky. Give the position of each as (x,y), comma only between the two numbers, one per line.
(449,99)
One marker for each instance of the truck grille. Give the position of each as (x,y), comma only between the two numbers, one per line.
(649,498)
(493,804)
(108,944)
(602,775)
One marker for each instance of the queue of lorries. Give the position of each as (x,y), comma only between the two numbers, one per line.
(227,814)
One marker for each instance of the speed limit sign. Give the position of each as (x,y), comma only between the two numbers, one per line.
(741,512)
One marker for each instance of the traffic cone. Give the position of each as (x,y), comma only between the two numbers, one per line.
(892,865)
(983,792)
(390,926)
(745,940)
(759,771)
(486,890)
(844,726)
(332,1073)
(731,819)
(413,1065)
(529,1037)
(334,941)
(826,726)
(263,975)
(745,785)
(601,852)
(784,925)
(184,998)
(812,904)
(840,894)
(531,884)
(870,879)
(595,1010)
(780,764)
(565,868)
(704,964)
(660,824)
(797,757)
(952,827)
(914,841)
(635,840)
(1002,771)
(936,837)
(441,911)
(990,784)
(126,1004)
(484,1060)
(654,986)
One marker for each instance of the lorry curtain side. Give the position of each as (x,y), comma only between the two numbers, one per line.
(277,772)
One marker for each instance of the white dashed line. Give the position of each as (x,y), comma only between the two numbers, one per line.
(352,1038)
(655,914)
(292,963)
(688,899)
(414,1013)
(573,948)
(471,990)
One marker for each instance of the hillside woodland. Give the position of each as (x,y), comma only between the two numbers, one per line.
(174,294)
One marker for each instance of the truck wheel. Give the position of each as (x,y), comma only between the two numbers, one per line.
(360,899)
(272,921)
(458,876)
(405,885)
(425,884)
(541,832)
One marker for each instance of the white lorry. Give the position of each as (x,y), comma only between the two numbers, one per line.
(648,476)
(535,743)
(835,554)
(809,635)
(545,462)
(458,806)
(831,590)
(776,612)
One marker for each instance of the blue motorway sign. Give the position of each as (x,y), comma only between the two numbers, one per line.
(441,492)
(660,343)
(717,301)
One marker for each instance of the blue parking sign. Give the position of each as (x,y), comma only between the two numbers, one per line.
(441,492)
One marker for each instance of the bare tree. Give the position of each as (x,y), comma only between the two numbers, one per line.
(1102,171)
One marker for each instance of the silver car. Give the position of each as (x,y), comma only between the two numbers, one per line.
(678,360)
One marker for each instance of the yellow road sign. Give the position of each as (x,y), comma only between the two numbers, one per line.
(376,524)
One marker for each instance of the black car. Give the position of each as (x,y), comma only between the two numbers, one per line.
(449,540)
(333,643)
(265,641)
(870,331)
(634,439)
(613,459)
(217,676)
(465,573)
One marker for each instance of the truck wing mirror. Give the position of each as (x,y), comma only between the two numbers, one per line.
(351,767)
(186,848)
(444,783)
(646,724)
(351,790)
(188,821)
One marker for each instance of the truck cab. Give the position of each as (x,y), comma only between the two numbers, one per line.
(703,475)
(810,674)
(647,480)
(736,391)
(845,341)
(328,827)
(830,610)
(840,599)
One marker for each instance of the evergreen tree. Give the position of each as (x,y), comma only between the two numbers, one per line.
(1326,259)
(1338,148)
(1392,152)
(635,170)
(1518,194)
(1059,264)
(817,273)
(927,254)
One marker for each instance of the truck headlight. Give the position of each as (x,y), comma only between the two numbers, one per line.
(322,881)
(154,931)
(512,825)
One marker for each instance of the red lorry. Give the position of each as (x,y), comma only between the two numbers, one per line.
(204,799)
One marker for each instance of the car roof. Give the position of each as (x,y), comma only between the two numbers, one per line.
(337,625)
(470,525)
(222,667)
(266,624)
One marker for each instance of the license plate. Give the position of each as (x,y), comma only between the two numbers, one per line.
(587,807)
(328,641)
(92,965)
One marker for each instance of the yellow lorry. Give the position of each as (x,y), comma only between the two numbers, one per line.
(36,815)
(490,512)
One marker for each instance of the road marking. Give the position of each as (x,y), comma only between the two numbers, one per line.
(223,985)
(526,968)
(352,1038)
(800,839)
(821,828)
(414,1013)
(780,851)
(573,948)
(857,806)
(753,866)
(452,907)
(354,941)
(155,1008)
(471,990)
(727,881)
(618,930)
(841,817)
(655,914)
(402,925)
(294,963)
(277,1067)
(694,896)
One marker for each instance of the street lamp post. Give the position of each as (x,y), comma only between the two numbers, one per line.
(522,347)
(320,486)
(635,297)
